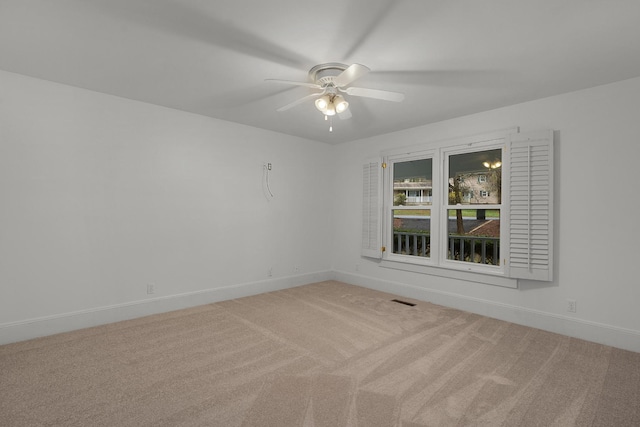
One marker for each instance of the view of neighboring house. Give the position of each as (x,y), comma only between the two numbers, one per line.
(412,191)
(473,232)
(478,187)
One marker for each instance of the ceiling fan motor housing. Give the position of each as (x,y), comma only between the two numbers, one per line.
(324,74)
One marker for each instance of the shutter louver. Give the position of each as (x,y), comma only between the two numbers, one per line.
(371,209)
(531,206)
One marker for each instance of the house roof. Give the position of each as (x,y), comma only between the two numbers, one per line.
(401,185)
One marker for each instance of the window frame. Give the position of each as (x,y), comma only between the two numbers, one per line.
(439,204)
(527,198)
(446,153)
(389,207)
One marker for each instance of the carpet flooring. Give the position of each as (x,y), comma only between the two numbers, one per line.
(322,355)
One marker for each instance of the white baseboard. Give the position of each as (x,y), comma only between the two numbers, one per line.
(627,339)
(591,331)
(65,322)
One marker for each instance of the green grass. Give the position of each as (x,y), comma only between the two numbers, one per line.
(414,212)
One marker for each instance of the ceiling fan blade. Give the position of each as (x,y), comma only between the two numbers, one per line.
(472,78)
(186,19)
(289,82)
(371,17)
(375,93)
(352,73)
(299,101)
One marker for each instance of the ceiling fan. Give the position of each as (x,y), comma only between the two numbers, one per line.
(334,79)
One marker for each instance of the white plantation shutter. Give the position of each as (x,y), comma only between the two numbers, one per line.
(530,205)
(372,209)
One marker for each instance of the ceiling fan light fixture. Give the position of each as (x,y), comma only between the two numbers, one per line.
(340,103)
(331,104)
(330,110)
(322,103)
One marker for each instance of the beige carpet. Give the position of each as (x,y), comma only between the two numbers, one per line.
(322,355)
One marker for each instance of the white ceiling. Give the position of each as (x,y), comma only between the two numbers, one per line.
(450,57)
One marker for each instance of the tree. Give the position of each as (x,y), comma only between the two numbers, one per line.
(495,182)
(455,198)
(399,199)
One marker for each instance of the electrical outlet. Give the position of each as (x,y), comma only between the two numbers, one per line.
(270,272)
(571,305)
(296,269)
(357,267)
(151,289)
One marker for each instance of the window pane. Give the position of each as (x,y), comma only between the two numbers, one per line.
(474,236)
(412,232)
(412,183)
(475,178)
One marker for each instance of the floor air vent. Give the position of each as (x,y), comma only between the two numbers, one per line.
(403,302)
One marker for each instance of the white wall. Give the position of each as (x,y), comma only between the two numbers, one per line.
(597,239)
(101,196)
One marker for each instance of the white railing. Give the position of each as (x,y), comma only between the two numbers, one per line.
(418,199)
(476,249)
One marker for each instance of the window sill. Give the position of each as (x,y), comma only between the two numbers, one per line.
(485,278)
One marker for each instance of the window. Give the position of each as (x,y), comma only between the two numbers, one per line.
(480,205)
(473,218)
(410,216)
